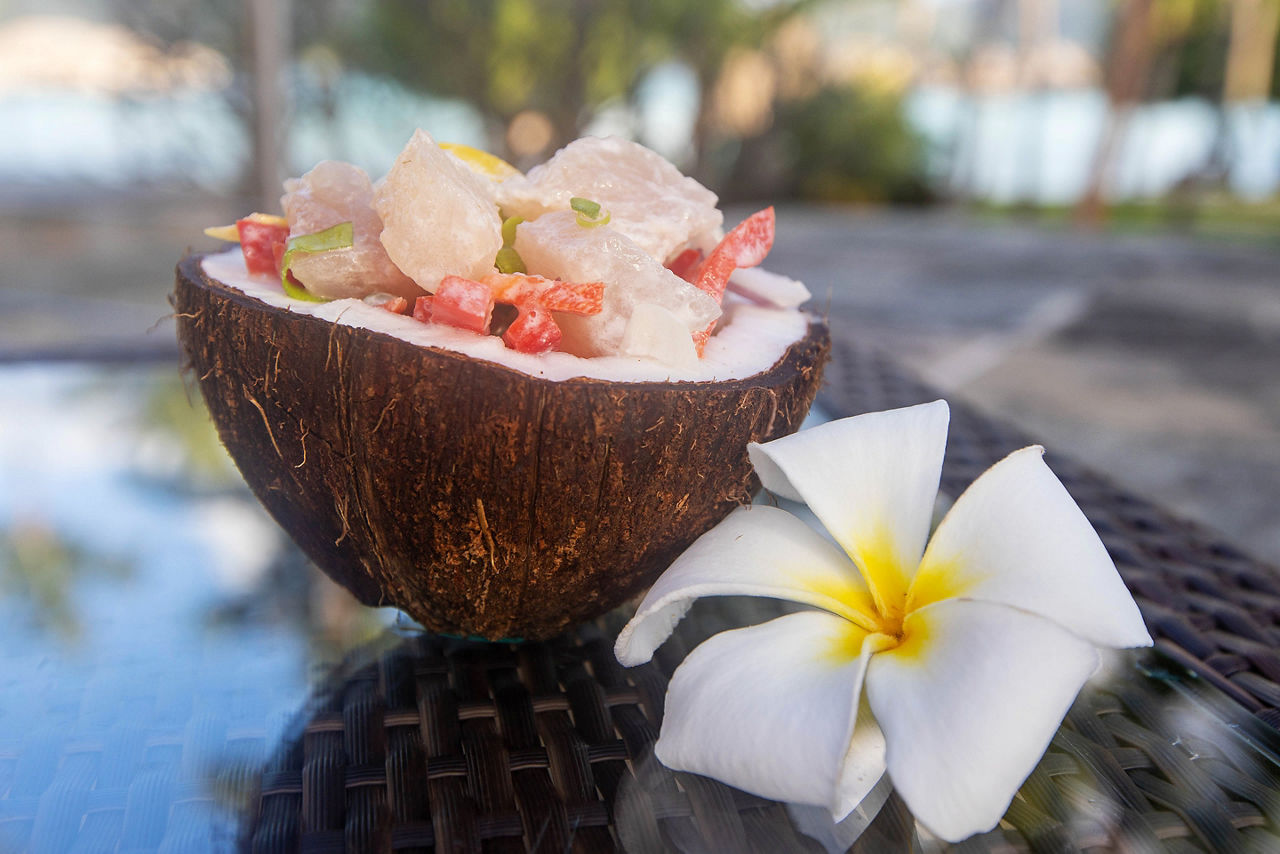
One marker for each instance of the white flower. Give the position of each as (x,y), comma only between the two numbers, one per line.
(951,666)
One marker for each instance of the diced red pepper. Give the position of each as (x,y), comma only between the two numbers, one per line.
(258,242)
(574,298)
(534,331)
(701,336)
(395,305)
(422,308)
(520,289)
(468,304)
(515,288)
(463,303)
(685,265)
(745,246)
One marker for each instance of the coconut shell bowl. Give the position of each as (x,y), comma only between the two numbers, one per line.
(479,500)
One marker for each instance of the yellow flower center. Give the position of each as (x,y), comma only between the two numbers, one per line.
(898,631)
(887,610)
(891,625)
(867,618)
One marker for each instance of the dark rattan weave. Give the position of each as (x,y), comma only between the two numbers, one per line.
(441,745)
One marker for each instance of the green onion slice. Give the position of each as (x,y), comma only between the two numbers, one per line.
(586,207)
(340,236)
(509,229)
(590,214)
(508,259)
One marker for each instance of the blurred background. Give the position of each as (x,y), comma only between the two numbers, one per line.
(1064,211)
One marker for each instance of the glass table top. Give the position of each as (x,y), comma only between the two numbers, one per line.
(139,579)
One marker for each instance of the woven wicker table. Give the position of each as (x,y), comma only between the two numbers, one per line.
(430,744)
(426,744)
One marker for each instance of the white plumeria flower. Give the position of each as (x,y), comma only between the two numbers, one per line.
(951,666)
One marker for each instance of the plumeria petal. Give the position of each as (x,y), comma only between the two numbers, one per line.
(968,704)
(755,551)
(1017,537)
(863,764)
(769,709)
(872,480)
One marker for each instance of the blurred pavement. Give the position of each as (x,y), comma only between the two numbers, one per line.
(1155,359)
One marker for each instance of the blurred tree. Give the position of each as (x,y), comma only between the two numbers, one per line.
(1191,57)
(1251,55)
(1275,66)
(506,56)
(1192,50)
(258,37)
(222,25)
(1221,50)
(1129,61)
(564,60)
(843,143)
(718,39)
(540,71)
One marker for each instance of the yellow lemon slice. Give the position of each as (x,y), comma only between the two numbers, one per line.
(481,161)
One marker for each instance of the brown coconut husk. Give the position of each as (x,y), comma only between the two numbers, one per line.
(480,500)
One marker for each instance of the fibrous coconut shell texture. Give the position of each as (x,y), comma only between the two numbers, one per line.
(480,500)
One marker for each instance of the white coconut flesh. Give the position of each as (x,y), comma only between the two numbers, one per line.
(750,338)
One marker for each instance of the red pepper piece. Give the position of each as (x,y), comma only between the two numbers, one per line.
(395,305)
(685,265)
(700,338)
(422,308)
(584,299)
(745,246)
(515,288)
(521,290)
(463,303)
(534,331)
(258,242)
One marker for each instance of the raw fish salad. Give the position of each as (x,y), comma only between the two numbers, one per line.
(604,251)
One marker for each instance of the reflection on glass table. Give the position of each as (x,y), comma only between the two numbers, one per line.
(153,620)
(176,678)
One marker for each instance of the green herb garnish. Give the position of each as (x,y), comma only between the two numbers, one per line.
(508,259)
(590,214)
